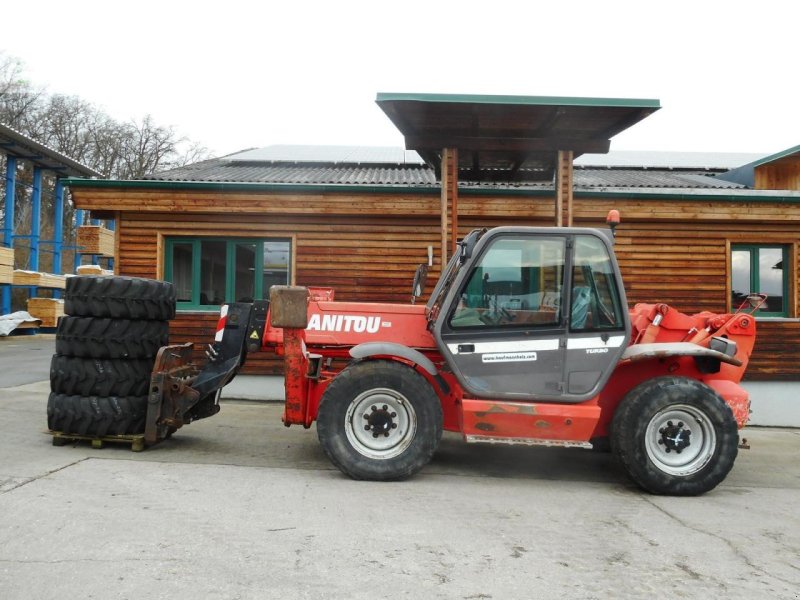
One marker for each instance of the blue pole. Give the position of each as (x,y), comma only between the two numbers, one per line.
(36,218)
(76,256)
(11,188)
(58,231)
(8,227)
(58,227)
(36,224)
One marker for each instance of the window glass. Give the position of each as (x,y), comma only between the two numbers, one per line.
(276,263)
(245,272)
(212,271)
(182,270)
(517,282)
(740,277)
(213,257)
(771,277)
(760,270)
(595,295)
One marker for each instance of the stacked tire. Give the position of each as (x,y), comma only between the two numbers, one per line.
(105,351)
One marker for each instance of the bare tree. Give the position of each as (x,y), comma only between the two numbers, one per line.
(78,129)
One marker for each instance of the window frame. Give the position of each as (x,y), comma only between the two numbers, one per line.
(230,265)
(787,254)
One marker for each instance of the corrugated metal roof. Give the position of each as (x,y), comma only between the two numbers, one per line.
(224,170)
(305,165)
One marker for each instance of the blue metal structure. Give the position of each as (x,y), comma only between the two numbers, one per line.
(8,226)
(18,147)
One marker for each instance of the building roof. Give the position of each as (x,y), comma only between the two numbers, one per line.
(14,143)
(500,136)
(746,174)
(343,165)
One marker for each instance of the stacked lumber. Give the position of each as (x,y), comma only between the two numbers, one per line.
(47,310)
(93,239)
(46,280)
(6,265)
(92,270)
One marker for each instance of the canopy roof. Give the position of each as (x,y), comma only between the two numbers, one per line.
(14,143)
(500,137)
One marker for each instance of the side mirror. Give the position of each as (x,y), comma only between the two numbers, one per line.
(420,279)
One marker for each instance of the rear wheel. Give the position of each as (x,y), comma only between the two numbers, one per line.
(675,436)
(379,420)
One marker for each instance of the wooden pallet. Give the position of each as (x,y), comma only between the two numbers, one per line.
(93,239)
(45,280)
(47,310)
(62,439)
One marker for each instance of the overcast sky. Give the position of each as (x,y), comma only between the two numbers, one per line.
(235,75)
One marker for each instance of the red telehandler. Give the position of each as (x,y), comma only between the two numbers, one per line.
(526,339)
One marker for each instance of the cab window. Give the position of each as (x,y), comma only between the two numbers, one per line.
(516,282)
(595,295)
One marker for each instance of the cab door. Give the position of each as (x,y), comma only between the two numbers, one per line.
(599,329)
(509,328)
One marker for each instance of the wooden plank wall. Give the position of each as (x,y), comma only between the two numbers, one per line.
(367,246)
(782,175)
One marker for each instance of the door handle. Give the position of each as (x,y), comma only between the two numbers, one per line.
(466,348)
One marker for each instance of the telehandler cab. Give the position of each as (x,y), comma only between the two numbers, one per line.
(526,339)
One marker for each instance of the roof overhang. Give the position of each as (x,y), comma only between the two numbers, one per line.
(14,143)
(509,138)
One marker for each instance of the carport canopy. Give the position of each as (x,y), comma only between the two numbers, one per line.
(478,138)
(509,138)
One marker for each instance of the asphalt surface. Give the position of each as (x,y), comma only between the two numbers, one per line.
(238,506)
(25,358)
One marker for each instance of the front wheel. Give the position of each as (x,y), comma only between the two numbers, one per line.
(675,436)
(379,420)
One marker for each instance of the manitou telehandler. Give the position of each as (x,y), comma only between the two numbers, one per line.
(526,339)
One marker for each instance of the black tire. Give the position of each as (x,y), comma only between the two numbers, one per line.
(386,397)
(119,298)
(649,436)
(87,337)
(100,377)
(96,415)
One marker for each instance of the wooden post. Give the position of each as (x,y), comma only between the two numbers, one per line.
(449,198)
(563,216)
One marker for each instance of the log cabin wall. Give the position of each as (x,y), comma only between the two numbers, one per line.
(367,246)
(780,175)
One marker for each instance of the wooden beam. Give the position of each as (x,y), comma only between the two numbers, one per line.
(563,185)
(507,144)
(449,198)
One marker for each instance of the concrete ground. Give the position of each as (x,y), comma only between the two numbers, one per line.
(237,506)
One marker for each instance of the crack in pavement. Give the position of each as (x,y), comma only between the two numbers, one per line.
(734,548)
(43,475)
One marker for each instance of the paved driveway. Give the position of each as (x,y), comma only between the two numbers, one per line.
(237,506)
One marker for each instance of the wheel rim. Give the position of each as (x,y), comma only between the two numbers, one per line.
(680,440)
(380,423)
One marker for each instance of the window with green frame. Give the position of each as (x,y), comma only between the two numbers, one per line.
(757,268)
(211,271)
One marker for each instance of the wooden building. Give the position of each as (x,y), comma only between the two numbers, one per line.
(698,231)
